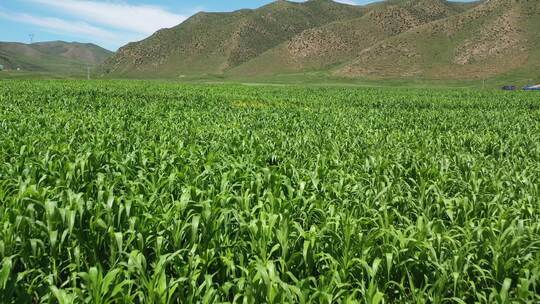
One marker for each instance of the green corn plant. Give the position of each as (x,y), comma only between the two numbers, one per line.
(160,192)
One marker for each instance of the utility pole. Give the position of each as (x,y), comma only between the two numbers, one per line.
(88,72)
(31,38)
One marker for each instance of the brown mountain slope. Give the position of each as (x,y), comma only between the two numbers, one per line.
(322,47)
(214,42)
(494,38)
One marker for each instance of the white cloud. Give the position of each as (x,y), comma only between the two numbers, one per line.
(142,19)
(61,25)
(347,2)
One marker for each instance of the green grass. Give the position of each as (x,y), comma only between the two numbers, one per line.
(309,79)
(323,79)
(26,75)
(149,192)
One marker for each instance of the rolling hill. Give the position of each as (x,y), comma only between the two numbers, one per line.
(52,57)
(432,39)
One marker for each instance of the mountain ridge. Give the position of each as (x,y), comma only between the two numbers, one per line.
(393,38)
(333,43)
(489,40)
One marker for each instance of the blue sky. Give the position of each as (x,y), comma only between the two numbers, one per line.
(109,23)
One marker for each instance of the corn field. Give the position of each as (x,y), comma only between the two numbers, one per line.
(148,192)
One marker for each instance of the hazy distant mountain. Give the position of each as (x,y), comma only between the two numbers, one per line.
(55,56)
(390,39)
